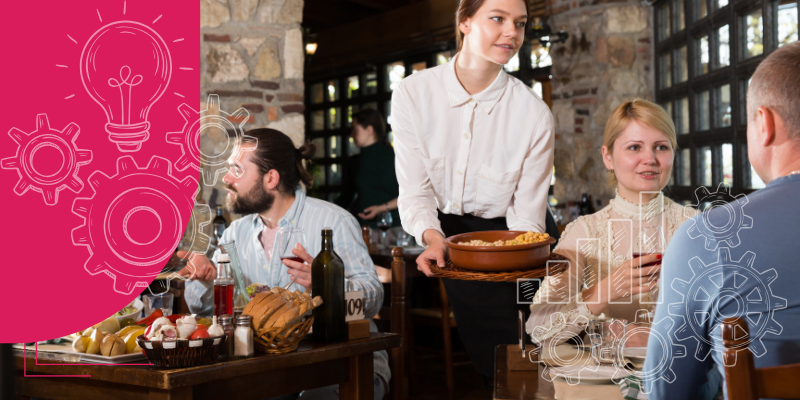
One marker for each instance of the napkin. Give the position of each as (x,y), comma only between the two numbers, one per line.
(631,388)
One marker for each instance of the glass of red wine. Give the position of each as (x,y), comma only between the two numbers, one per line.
(289,238)
(384,223)
(647,241)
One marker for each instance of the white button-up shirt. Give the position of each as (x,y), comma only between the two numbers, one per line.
(488,154)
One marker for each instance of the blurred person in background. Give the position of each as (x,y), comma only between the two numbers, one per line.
(369,183)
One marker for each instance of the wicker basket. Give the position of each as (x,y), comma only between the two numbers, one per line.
(181,353)
(282,340)
(558,264)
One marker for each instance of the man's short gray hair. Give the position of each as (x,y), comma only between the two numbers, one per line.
(776,85)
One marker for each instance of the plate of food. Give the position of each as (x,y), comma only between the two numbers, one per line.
(496,251)
(604,374)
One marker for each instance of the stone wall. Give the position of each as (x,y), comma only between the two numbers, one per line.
(252,57)
(606,61)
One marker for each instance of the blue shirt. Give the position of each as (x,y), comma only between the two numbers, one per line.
(738,259)
(311,215)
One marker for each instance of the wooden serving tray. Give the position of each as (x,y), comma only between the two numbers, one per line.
(453,272)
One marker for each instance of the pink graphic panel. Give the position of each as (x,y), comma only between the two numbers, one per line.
(93,205)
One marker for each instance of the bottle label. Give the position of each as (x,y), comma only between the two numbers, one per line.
(354,302)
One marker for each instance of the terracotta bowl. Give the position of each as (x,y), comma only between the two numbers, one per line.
(496,258)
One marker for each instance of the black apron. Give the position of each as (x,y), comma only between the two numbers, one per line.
(485,312)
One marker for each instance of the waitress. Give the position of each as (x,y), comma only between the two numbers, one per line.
(474,152)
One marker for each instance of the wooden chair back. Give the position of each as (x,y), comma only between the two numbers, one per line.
(742,380)
(398,324)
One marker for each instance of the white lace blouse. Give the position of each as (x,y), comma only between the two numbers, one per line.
(595,245)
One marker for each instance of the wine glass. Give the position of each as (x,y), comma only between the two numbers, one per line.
(288,238)
(646,241)
(384,223)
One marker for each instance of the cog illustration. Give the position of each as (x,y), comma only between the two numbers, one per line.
(198,244)
(669,352)
(724,279)
(715,233)
(30,168)
(189,139)
(569,368)
(133,257)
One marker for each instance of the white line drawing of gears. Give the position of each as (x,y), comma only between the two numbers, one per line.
(132,260)
(669,352)
(198,242)
(728,232)
(572,366)
(189,139)
(724,278)
(25,160)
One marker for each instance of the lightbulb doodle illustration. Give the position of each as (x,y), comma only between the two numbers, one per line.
(125,68)
(133,222)
(189,139)
(721,283)
(45,173)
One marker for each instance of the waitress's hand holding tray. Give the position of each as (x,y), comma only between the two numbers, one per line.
(499,251)
(435,254)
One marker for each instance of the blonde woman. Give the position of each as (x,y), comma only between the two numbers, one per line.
(638,150)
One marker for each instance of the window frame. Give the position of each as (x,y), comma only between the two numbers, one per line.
(739,70)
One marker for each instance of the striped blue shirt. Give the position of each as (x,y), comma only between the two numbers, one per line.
(312,215)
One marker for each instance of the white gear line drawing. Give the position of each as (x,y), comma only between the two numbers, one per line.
(199,243)
(574,366)
(24,161)
(189,139)
(729,232)
(130,262)
(670,351)
(715,278)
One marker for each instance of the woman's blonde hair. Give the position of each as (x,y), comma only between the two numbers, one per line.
(643,112)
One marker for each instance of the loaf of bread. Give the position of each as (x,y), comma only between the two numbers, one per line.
(279,307)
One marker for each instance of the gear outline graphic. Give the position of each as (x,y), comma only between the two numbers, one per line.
(45,136)
(199,244)
(106,213)
(558,319)
(714,235)
(663,370)
(189,138)
(692,321)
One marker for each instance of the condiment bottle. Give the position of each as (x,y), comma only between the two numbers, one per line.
(243,337)
(327,281)
(227,326)
(223,287)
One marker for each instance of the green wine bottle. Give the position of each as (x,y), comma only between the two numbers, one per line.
(327,280)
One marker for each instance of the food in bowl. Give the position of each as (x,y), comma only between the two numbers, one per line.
(526,238)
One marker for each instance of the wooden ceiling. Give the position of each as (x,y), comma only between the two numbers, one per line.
(321,15)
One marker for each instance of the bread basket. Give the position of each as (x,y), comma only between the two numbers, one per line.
(181,352)
(282,340)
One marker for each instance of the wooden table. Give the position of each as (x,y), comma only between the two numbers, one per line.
(313,365)
(519,385)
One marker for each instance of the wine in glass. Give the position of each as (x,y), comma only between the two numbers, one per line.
(384,223)
(288,238)
(647,241)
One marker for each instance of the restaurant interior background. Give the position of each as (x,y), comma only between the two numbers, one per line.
(305,67)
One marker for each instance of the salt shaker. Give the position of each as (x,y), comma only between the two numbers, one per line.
(227,327)
(243,337)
